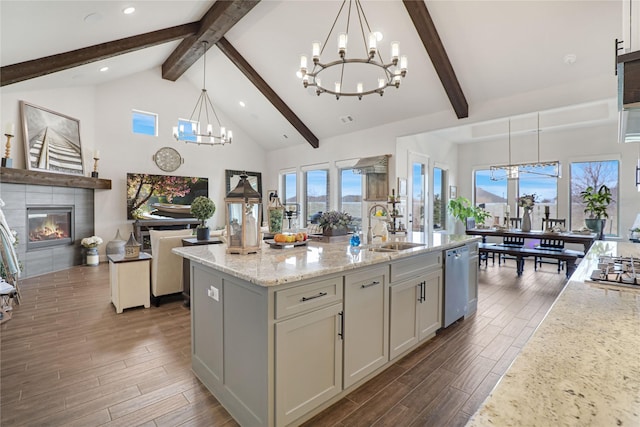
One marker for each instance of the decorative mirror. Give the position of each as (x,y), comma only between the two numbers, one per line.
(232,178)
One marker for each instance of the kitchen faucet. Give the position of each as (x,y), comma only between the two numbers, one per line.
(370,235)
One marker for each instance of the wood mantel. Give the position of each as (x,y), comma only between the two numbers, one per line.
(23,176)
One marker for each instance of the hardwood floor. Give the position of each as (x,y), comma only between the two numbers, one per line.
(67,359)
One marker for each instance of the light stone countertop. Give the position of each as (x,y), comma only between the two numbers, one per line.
(581,367)
(271,267)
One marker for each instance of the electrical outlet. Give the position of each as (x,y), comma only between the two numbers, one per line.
(214,293)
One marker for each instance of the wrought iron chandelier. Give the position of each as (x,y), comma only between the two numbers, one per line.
(511,171)
(190,131)
(382,76)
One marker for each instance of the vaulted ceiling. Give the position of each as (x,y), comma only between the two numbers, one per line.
(463,55)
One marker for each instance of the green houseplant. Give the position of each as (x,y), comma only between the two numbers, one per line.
(461,209)
(202,208)
(596,203)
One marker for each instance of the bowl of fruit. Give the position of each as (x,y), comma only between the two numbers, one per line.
(288,240)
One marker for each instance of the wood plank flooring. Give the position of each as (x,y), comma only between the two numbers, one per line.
(67,359)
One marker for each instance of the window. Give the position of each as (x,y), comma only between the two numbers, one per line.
(439,196)
(546,191)
(316,197)
(493,194)
(594,174)
(289,188)
(145,123)
(187,130)
(350,197)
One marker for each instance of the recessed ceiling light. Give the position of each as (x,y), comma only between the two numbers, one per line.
(570,58)
(128,10)
(242,104)
(104,69)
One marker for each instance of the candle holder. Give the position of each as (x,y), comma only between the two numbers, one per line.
(94,174)
(7,162)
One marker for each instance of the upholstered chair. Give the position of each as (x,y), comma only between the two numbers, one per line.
(166,267)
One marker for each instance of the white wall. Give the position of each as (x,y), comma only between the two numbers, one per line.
(105,124)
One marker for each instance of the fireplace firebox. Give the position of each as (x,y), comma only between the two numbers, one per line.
(49,226)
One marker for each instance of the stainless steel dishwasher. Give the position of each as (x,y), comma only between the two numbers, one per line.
(456,284)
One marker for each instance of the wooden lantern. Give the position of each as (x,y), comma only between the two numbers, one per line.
(244,209)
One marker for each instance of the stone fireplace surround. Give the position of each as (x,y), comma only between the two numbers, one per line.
(17,190)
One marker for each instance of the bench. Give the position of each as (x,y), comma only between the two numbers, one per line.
(520,253)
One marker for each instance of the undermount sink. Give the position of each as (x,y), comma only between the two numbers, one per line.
(397,246)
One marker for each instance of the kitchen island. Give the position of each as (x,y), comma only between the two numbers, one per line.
(280,335)
(582,365)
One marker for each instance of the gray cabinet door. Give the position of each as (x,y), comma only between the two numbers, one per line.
(472,302)
(308,362)
(403,316)
(207,323)
(366,320)
(430,308)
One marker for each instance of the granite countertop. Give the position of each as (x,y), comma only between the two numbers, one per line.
(271,267)
(582,365)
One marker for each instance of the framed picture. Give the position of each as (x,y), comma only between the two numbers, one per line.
(232,178)
(52,140)
(453,191)
(163,196)
(402,186)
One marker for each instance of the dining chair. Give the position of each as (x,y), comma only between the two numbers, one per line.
(510,241)
(553,245)
(548,223)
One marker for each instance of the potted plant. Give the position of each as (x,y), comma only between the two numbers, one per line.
(202,208)
(91,247)
(461,209)
(596,203)
(335,223)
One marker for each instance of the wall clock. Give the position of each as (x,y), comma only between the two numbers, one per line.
(168,159)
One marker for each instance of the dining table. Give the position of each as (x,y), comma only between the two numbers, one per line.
(584,238)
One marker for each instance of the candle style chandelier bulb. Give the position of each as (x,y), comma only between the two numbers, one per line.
(315,51)
(386,74)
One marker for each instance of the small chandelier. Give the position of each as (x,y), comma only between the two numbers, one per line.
(513,171)
(387,74)
(191,131)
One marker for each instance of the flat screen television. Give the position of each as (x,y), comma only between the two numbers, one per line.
(162,196)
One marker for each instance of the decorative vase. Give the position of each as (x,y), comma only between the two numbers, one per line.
(526,220)
(93,259)
(203,233)
(597,226)
(328,231)
(116,246)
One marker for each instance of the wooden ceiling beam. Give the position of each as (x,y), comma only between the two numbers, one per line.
(239,61)
(15,73)
(431,40)
(214,24)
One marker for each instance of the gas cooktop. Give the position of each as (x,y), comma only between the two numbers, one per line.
(617,270)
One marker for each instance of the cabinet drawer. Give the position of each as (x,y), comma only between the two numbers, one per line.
(414,266)
(307,297)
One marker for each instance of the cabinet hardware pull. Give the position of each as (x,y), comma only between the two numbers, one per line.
(375,282)
(423,293)
(341,333)
(321,294)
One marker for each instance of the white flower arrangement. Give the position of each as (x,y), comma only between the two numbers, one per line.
(91,242)
(527,201)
